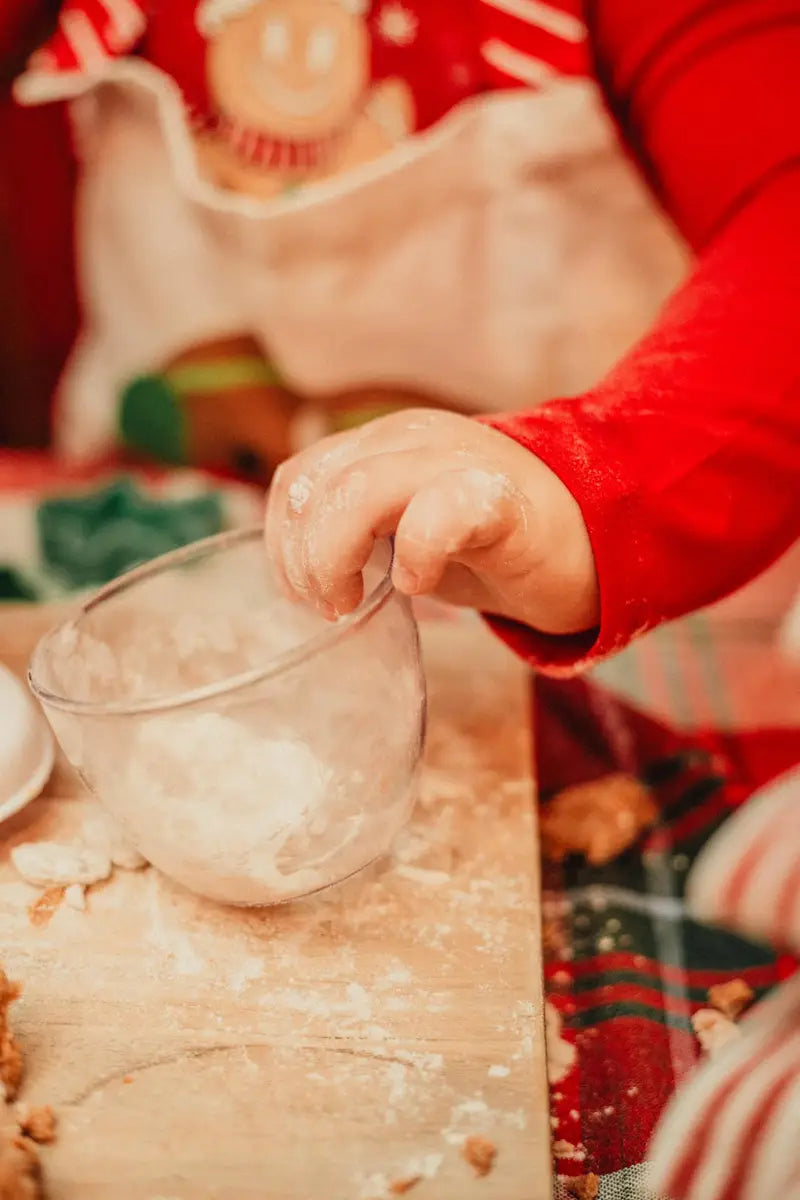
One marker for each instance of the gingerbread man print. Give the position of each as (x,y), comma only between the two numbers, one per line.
(292,97)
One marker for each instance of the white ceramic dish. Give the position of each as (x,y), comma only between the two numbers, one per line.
(27,747)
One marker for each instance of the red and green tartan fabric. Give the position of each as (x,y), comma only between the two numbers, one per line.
(629,966)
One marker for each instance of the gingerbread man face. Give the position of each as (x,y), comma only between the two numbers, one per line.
(293,69)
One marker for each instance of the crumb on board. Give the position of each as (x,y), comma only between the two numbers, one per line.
(75,897)
(582,1187)
(713,1029)
(561,1054)
(731,998)
(127,1079)
(39,1124)
(20,1171)
(598,819)
(480,1153)
(554,938)
(44,906)
(400,1187)
(10,1057)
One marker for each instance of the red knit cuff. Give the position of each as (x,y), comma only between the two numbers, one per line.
(550,654)
(557,433)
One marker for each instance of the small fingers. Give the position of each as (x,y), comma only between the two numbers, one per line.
(289,495)
(357,506)
(459,513)
(330,504)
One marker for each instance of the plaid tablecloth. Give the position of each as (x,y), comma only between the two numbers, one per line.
(703,712)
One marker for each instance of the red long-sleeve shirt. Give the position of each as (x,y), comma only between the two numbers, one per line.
(685,460)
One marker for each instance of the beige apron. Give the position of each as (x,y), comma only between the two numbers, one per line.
(507,255)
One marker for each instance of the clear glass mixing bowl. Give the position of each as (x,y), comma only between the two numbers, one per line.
(250,750)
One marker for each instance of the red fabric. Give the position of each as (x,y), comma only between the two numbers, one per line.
(706,95)
(17,18)
(38,301)
(444,59)
(686,460)
(89,31)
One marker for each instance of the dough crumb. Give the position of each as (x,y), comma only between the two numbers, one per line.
(561,1054)
(39,1124)
(401,1186)
(20,1172)
(554,938)
(480,1153)
(731,998)
(10,1057)
(598,820)
(583,1187)
(75,897)
(50,864)
(713,1030)
(41,911)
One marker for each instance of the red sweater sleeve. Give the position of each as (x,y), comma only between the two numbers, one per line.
(686,459)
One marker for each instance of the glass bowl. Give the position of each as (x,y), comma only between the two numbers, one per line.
(249,749)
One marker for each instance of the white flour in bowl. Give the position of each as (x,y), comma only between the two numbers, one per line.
(241,817)
(258,792)
(229,812)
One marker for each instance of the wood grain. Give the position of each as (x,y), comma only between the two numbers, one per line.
(318,1051)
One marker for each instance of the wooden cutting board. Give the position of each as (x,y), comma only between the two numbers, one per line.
(320,1051)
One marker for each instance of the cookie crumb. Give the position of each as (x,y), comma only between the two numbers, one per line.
(561,1054)
(499,1071)
(10,1057)
(401,1186)
(480,1153)
(599,819)
(39,1124)
(583,1187)
(554,938)
(75,897)
(713,1030)
(41,911)
(731,998)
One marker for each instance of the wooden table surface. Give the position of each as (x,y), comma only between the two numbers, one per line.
(319,1051)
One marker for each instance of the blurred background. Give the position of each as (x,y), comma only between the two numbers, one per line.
(38,308)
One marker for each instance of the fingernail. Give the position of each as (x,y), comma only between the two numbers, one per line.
(327,610)
(404,580)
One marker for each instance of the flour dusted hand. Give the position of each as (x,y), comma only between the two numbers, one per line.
(477,520)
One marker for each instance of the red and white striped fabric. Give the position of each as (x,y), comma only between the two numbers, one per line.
(90,32)
(748,877)
(528,42)
(731,1133)
(521,43)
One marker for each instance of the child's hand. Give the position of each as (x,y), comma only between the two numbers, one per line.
(477,520)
